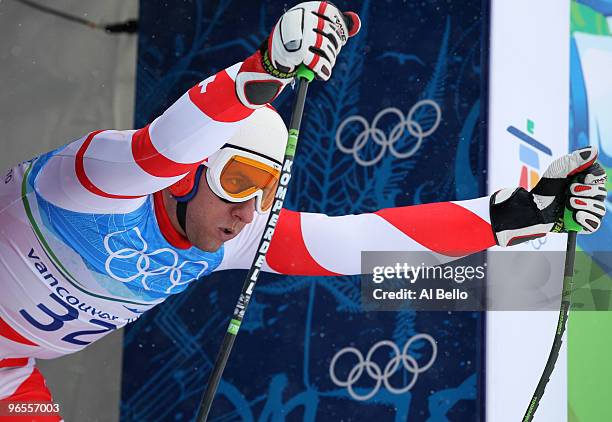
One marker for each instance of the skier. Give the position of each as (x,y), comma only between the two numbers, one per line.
(97,232)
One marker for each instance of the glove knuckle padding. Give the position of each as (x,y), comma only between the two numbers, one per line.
(588,204)
(331,32)
(588,191)
(588,221)
(580,189)
(322,69)
(588,197)
(338,25)
(595,178)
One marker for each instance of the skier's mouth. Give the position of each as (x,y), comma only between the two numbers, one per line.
(227,233)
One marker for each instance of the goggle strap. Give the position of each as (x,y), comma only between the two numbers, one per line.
(195,185)
(236,147)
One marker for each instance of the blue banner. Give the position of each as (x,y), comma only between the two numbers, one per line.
(400,122)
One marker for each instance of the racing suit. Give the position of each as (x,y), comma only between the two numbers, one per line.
(86,245)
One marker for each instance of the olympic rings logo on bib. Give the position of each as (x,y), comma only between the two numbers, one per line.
(143,264)
(406,124)
(383,375)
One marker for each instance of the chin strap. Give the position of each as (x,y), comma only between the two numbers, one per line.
(183,191)
(181,212)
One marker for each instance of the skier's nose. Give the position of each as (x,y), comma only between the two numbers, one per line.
(245,211)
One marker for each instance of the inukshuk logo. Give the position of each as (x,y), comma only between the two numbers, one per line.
(400,361)
(529,150)
(406,127)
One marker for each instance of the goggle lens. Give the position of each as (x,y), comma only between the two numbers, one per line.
(243,176)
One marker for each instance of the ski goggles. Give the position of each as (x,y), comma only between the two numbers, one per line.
(237,175)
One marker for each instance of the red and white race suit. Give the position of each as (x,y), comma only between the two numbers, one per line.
(86,245)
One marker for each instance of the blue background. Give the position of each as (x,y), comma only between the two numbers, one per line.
(279,368)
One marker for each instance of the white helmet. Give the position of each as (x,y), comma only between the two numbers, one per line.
(263,133)
(255,153)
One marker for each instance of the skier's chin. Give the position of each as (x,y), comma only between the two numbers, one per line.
(210,246)
(215,240)
(206,242)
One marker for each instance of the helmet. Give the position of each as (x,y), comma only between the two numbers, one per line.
(255,153)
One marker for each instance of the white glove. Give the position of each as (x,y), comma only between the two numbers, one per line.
(312,33)
(575,182)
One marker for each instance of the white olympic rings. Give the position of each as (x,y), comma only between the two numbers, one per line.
(380,137)
(382,376)
(538,243)
(143,263)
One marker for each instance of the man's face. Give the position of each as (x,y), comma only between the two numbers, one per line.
(211,221)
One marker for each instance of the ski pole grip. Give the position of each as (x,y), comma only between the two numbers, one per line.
(304,73)
(569,223)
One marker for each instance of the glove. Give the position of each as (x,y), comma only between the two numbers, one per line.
(575,181)
(312,33)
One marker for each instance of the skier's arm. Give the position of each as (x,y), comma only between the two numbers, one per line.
(113,170)
(317,244)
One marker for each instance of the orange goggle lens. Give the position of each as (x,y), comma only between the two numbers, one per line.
(243,176)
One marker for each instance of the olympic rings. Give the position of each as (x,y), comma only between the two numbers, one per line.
(143,263)
(382,376)
(407,123)
(537,243)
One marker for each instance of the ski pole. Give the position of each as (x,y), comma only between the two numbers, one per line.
(568,277)
(566,300)
(304,76)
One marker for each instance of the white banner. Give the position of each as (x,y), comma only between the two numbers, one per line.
(528,127)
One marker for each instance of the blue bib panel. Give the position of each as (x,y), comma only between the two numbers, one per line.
(124,251)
